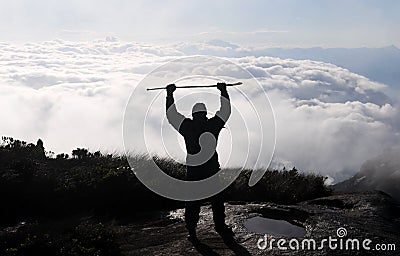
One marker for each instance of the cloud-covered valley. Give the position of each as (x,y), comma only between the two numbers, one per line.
(328,119)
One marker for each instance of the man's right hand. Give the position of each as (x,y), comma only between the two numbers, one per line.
(171,88)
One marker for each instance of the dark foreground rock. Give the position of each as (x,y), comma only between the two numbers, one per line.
(367,215)
(370,215)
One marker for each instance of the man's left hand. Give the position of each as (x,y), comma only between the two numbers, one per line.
(221,86)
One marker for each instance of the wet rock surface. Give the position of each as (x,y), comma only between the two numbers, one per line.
(368,215)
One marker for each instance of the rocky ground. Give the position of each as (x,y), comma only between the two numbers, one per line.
(369,215)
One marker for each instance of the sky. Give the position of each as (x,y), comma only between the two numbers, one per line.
(69,68)
(342,23)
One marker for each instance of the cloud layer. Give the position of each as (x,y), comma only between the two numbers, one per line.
(328,119)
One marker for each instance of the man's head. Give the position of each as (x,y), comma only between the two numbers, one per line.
(199,111)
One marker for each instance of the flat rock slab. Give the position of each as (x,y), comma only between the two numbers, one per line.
(371,215)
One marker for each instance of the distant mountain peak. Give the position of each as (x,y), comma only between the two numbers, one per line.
(391,47)
(222,43)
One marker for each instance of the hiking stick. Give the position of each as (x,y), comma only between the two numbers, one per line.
(192,86)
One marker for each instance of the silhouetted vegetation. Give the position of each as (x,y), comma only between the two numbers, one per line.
(36,186)
(33,184)
(282,187)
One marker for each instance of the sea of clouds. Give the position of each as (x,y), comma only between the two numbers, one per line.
(73,94)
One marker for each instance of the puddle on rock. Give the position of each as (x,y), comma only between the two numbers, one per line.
(274,227)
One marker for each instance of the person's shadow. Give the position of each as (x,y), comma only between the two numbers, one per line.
(204,249)
(234,246)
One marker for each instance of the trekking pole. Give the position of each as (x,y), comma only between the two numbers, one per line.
(192,86)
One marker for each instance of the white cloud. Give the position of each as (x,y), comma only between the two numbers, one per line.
(329,120)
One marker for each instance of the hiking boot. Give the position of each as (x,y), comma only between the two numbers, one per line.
(192,237)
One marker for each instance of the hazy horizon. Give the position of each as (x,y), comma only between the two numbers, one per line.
(259,23)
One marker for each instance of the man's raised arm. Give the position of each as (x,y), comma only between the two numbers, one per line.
(174,117)
(225,109)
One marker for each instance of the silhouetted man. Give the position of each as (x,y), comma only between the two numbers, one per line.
(202,158)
